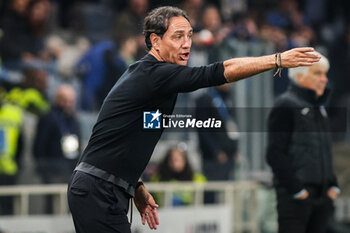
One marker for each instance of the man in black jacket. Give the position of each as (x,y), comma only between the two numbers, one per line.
(56,145)
(299,152)
(109,170)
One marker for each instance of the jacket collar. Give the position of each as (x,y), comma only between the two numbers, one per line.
(309,95)
(150,57)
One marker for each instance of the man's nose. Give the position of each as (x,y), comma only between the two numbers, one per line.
(187,43)
(324,78)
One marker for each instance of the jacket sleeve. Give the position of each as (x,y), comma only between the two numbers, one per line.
(172,78)
(280,130)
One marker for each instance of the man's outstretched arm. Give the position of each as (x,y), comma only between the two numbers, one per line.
(239,68)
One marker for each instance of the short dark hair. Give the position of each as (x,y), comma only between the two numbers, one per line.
(157,21)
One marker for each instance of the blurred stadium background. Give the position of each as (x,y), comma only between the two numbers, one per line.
(88,44)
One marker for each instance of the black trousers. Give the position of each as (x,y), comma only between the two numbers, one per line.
(303,216)
(97,205)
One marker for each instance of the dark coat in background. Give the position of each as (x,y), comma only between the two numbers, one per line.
(52,163)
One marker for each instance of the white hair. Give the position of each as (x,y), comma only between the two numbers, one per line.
(293,72)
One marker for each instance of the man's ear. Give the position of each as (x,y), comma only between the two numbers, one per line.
(155,41)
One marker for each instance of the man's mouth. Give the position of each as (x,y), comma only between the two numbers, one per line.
(184,56)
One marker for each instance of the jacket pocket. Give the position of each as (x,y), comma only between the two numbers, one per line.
(79,191)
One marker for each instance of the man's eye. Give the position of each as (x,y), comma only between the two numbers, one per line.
(178,37)
(190,36)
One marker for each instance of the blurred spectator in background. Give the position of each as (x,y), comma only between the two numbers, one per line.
(287,27)
(130,22)
(65,49)
(176,167)
(11,145)
(100,67)
(219,149)
(116,61)
(232,7)
(57,141)
(282,16)
(300,152)
(131,18)
(30,94)
(91,68)
(194,9)
(208,38)
(128,49)
(13,11)
(38,16)
(276,36)
(244,28)
(24,27)
(14,41)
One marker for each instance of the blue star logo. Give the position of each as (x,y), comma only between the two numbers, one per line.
(151,120)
